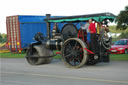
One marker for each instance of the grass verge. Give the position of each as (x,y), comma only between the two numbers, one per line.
(113,57)
(12,55)
(119,57)
(19,55)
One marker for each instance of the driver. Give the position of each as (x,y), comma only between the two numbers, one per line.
(92,30)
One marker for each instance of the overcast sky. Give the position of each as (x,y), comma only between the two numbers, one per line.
(57,7)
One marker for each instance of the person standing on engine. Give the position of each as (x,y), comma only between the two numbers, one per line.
(92,30)
(86,26)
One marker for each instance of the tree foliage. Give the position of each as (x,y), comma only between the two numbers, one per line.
(122,19)
(124,35)
(3,38)
(0,37)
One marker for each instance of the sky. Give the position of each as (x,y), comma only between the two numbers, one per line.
(57,7)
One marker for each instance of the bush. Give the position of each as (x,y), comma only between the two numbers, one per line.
(3,38)
(124,35)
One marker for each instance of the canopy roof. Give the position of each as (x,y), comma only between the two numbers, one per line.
(99,17)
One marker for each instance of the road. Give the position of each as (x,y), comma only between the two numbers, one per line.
(16,71)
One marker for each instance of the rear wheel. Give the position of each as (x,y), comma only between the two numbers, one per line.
(34,58)
(73,53)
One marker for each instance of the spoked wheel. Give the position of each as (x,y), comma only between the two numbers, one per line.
(93,59)
(73,53)
(34,58)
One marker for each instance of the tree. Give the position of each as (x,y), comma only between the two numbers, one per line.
(3,38)
(0,37)
(122,19)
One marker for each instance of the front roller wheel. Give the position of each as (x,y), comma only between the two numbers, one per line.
(73,53)
(34,59)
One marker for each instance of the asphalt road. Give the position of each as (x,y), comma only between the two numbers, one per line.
(18,72)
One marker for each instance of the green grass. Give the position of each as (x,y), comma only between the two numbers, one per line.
(57,57)
(20,55)
(12,55)
(16,55)
(113,57)
(119,57)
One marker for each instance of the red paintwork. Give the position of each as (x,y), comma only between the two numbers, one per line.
(19,35)
(58,52)
(13,34)
(81,35)
(89,51)
(117,49)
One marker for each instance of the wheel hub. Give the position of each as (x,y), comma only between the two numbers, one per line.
(74,53)
(95,57)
